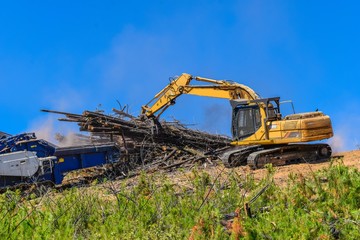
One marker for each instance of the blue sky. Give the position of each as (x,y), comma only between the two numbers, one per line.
(75,55)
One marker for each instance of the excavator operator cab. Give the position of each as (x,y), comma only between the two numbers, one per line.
(245,121)
(247,118)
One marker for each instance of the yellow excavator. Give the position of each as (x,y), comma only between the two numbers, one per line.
(260,134)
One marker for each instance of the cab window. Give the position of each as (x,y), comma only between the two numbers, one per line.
(246,121)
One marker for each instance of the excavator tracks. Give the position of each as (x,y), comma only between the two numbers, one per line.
(258,156)
(237,156)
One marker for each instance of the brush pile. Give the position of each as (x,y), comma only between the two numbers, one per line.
(146,143)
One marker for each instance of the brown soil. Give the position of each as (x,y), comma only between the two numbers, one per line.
(282,173)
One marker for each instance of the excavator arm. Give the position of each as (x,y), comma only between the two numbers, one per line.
(182,85)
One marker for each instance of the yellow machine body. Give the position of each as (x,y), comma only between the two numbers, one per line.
(296,128)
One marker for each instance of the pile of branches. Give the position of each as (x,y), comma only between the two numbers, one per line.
(147,142)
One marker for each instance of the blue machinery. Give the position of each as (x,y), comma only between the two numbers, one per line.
(26,159)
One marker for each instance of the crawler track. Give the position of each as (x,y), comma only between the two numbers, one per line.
(258,156)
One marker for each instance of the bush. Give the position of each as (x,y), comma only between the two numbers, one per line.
(323,206)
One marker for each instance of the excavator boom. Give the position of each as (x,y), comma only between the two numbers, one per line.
(181,85)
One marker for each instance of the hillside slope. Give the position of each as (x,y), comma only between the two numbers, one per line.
(281,175)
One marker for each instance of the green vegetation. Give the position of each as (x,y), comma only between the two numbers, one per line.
(323,206)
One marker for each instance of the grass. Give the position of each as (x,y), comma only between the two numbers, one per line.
(324,205)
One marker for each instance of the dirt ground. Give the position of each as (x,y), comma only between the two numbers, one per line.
(351,158)
(281,176)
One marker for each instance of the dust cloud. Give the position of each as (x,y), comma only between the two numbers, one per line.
(344,139)
(337,143)
(44,128)
(49,129)
(217,119)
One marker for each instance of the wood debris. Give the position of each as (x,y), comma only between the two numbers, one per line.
(146,143)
